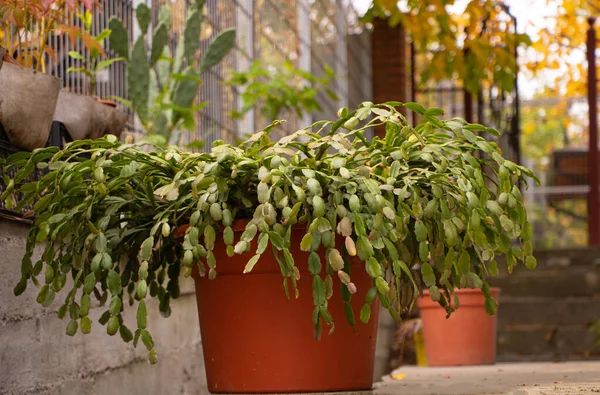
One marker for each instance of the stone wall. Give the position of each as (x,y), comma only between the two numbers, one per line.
(545,314)
(37,357)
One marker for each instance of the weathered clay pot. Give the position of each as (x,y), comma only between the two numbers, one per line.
(87,118)
(27,102)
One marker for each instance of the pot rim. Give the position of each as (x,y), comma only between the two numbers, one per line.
(110,103)
(425,302)
(238,225)
(22,69)
(466,291)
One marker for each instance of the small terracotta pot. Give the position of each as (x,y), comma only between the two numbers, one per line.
(255,340)
(468,337)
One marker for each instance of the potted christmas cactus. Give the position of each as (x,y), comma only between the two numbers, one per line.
(28,95)
(289,241)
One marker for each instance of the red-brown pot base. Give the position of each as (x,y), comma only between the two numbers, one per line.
(255,340)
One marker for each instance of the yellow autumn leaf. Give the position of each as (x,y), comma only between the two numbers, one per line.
(528,128)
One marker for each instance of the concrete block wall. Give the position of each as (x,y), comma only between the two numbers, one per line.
(37,357)
(545,314)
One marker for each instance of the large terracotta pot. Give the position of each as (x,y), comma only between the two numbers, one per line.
(255,340)
(468,337)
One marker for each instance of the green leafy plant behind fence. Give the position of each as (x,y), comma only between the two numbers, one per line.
(163,88)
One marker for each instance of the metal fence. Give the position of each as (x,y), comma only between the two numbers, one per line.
(111,82)
(308,33)
(491,106)
(560,143)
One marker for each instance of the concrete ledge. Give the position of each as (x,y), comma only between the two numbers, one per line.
(35,354)
(514,379)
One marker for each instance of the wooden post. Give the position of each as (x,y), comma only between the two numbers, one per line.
(593,201)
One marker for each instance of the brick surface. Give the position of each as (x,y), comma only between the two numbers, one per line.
(553,283)
(36,357)
(559,343)
(389,50)
(545,314)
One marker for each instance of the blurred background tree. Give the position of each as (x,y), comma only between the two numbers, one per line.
(474,41)
(475,46)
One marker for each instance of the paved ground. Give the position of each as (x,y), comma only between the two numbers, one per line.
(510,379)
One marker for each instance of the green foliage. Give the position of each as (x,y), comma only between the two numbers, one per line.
(92,67)
(104,202)
(290,88)
(476,45)
(161,90)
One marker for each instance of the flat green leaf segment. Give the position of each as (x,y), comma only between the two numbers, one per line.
(424,207)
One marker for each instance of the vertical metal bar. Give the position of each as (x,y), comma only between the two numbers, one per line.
(305,39)
(515,132)
(73,79)
(135,31)
(439,97)
(468,98)
(341,56)
(96,28)
(245,23)
(81,78)
(56,69)
(468,105)
(452,102)
(516,127)
(481,108)
(110,91)
(593,202)
(413,85)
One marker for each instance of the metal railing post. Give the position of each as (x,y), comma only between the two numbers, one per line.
(593,202)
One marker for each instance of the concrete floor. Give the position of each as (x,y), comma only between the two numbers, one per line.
(510,379)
